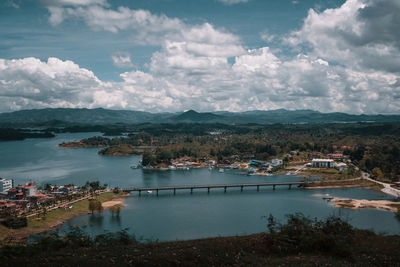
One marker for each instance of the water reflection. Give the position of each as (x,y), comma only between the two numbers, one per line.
(96,220)
(116,220)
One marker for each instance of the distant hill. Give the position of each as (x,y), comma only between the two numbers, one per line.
(62,116)
(193,116)
(83,116)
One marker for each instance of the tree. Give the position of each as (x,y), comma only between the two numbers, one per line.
(147,158)
(95,205)
(47,187)
(377,173)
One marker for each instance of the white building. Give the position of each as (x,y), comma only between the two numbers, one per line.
(276,162)
(5,184)
(323,163)
(341,166)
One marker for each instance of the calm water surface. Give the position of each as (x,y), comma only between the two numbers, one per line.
(185,215)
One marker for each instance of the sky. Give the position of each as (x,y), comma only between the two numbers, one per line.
(206,55)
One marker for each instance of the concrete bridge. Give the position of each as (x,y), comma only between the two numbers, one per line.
(209,187)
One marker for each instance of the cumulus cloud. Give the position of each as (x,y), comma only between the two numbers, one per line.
(266,36)
(359,34)
(351,65)
(32,83)
(122,59)
(232,2)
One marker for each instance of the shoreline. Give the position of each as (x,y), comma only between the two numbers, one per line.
(334,186)
(358,204)
(56,218)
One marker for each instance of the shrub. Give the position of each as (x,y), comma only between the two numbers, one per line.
(302,234)
(15,222)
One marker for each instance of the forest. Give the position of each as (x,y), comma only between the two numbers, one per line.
(374,147)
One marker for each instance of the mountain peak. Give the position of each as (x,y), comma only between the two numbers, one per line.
(191,111)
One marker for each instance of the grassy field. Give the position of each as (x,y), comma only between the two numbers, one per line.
(329,174)
(53,218)
(361,183)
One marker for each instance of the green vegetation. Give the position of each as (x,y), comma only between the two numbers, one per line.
(95,205)
(53,218)
(336,183)
(9,134)
(15,222)
(118,150)
(371,146)
(300,241)
(332,174)
(302,234)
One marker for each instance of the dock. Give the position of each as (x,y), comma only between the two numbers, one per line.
(209,187)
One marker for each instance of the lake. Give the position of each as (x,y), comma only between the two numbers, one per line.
(184,215)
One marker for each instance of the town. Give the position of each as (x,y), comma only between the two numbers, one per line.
(31,200)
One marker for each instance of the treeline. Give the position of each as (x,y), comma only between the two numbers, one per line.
(382,161)
(10,134)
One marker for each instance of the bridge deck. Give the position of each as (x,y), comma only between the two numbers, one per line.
(191,187)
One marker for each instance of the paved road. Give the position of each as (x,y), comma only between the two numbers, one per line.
(388,189)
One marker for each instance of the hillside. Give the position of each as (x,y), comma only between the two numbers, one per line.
(251,250)
(193,116)
(64,116)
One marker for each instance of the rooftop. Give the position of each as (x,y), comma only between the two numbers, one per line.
(322,160)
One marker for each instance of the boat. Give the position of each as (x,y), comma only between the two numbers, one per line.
(139,166)
(150,192)
(221,170)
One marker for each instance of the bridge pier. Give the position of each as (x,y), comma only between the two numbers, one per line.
(140,193)
(208,190)
(224,189)
(191,190)
(258,188)
(241,188)
(174,191)
(157,192)
(290,186)
(273,187)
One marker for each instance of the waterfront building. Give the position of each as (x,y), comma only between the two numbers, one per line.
(323,163)
(276,162)
(341,166)
(5,184)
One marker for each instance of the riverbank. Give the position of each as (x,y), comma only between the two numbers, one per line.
(55,218)
(356,204)
(117,201)
(78,144)
(343,184)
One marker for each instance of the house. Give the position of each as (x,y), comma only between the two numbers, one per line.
(323,163)
(341,166)
(38,198)
(12,193)
(338,155)
(276,162)
(7,206)
(29,190)
(255,162)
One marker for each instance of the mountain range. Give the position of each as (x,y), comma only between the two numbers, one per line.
(106,116)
